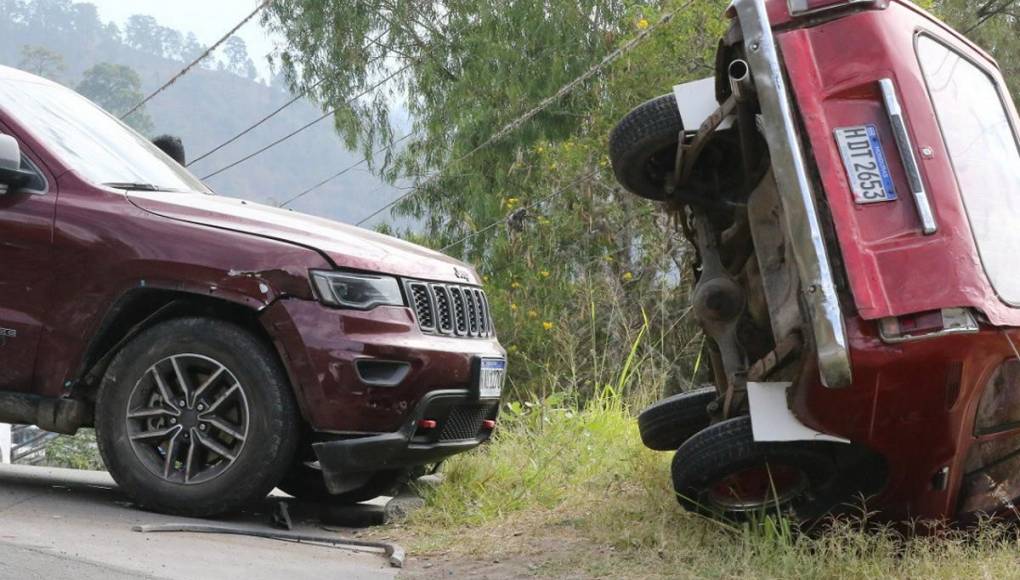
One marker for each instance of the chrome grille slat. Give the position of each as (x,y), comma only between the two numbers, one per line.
(450,309)
(472,313)
(444,319)
(421,298)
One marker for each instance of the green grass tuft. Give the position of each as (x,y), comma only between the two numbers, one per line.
(573,492)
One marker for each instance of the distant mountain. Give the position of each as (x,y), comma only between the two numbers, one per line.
(62,39)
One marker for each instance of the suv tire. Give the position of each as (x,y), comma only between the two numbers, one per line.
(665,425)
(195,417)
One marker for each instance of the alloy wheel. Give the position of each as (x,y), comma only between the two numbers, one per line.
(188,418)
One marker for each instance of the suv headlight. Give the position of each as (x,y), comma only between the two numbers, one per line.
(361,291)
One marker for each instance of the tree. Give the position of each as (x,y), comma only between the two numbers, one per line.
(117,89)
(992,24)
(143,33)
(536,209)
(238,62)
(42,61)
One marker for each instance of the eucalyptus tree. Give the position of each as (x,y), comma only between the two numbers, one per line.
(535,208)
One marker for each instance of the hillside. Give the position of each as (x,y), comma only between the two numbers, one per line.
(205,108)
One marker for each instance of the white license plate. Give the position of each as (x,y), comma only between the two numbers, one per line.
(866,164)
(491,374)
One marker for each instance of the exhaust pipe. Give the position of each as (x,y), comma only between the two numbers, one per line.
(742,87)
(741,83)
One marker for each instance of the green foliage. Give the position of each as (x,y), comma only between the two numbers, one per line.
(572,263)
(74,452)
(41,61)
(116,88)
(992,24)
(572,492)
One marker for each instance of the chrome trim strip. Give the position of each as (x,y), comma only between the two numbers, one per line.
(798,6)
(801,8)
(906,147)
(802,223)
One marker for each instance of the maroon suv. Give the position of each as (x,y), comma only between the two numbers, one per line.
(220,347)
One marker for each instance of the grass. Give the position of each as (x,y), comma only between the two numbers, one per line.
(563,491)
(74,452)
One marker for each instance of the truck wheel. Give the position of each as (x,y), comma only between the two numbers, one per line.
(723,472)
(643,147)
(195,417)
(305,483)
(667,424)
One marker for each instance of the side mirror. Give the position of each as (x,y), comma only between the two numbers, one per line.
(12,176)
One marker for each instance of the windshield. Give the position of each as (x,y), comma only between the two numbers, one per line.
(983,149)
(90,141)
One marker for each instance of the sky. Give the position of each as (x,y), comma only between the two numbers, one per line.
(217,17)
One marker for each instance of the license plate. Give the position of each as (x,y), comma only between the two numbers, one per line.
(491,373)
(866,165)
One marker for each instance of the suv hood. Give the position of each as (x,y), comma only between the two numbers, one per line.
(346,246)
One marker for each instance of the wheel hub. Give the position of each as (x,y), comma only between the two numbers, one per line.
(188,418)
(758,487)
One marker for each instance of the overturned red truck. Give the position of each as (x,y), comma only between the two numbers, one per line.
(851,182)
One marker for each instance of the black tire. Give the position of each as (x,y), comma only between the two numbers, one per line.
(306,483)
(260,456)
(667,424)
(705,468)
(643,147)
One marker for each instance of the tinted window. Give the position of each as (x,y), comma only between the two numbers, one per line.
(96,145)
(984,152)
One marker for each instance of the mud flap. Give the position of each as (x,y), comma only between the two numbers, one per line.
(773,421)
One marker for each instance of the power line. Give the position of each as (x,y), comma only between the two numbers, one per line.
(200,58)
(276,112)
(542,105)
(306,125)
(256,125)
(343,171)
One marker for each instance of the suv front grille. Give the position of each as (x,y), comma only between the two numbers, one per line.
(451,309)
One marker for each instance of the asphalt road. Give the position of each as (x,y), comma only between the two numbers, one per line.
(57,523)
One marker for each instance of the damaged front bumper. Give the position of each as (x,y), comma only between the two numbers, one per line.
(443,424)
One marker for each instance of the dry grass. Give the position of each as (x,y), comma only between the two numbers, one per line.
(572,493)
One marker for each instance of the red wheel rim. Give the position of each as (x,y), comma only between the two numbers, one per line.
(758,487)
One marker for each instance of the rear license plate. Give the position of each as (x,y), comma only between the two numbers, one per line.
(866,165)
(491,373)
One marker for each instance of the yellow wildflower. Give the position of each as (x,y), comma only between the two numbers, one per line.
(532,314)
(544,273)
(515,285)
(642,24)
(548,325)
(627,276)
(513,307)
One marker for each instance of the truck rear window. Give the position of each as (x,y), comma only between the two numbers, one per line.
(984,152)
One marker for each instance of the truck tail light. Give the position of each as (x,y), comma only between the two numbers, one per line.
(924,325)
(802,7)
(488,424)
(427,424)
